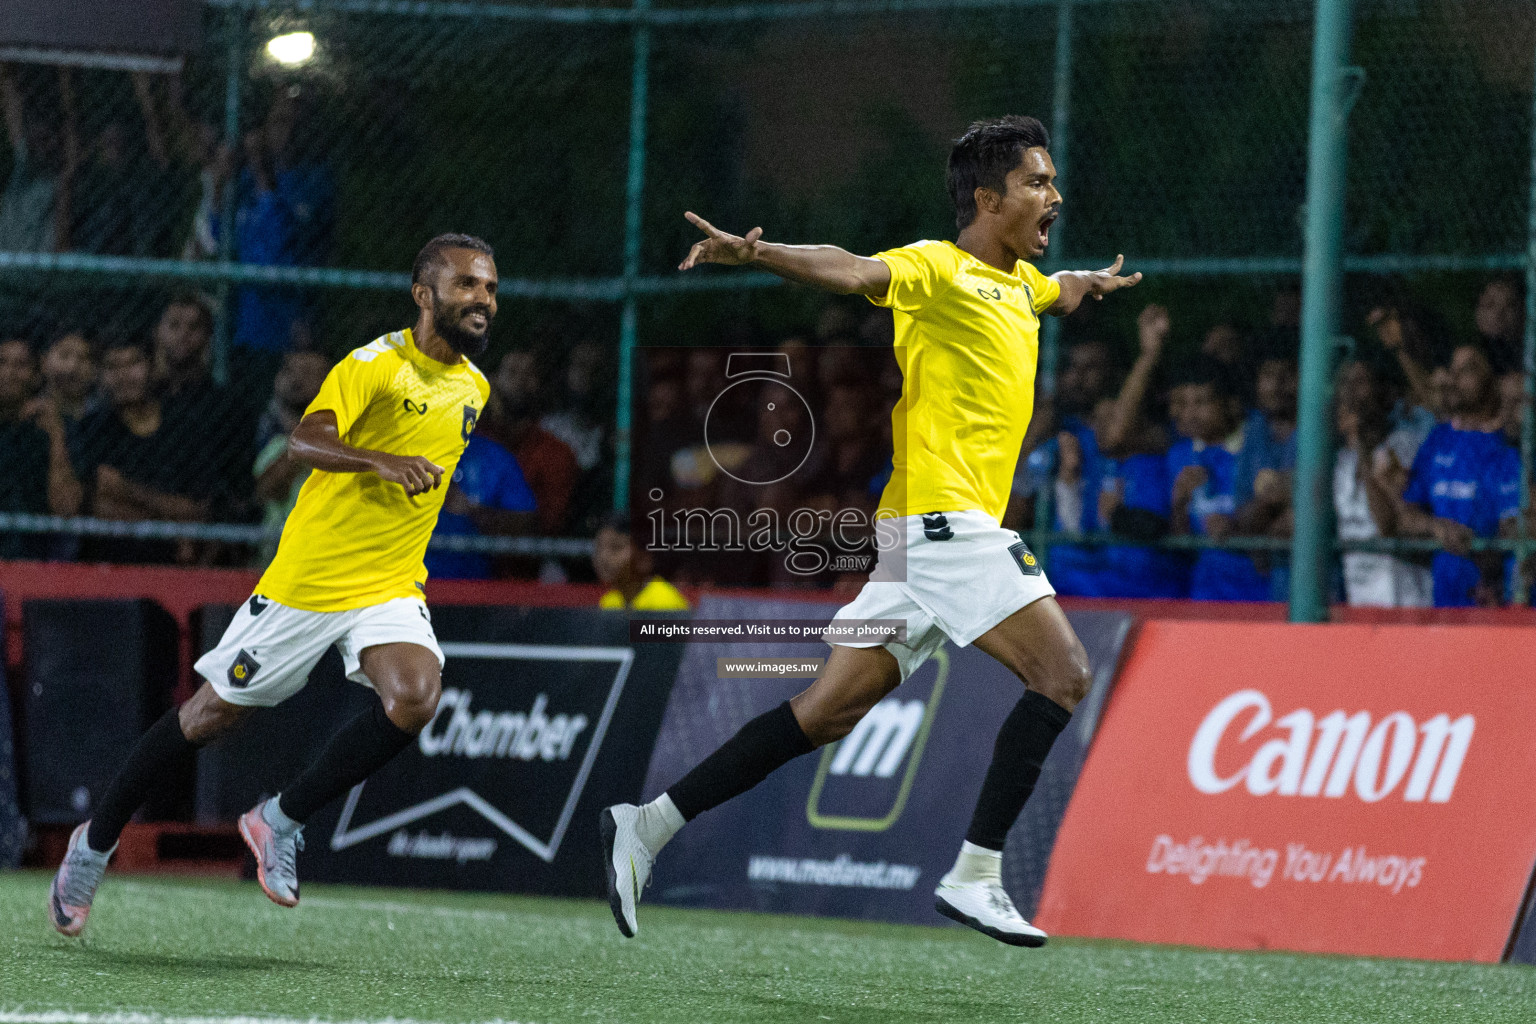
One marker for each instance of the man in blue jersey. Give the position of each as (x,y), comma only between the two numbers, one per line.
(1134,486)
(488,496)
(1203,467)
(1465,484)
(1075,569)
(1268,457)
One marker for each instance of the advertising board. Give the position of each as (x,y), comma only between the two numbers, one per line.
(1366,790)
(864,827)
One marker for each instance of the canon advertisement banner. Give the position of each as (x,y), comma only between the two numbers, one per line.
(1335,789)
(547,716)
(865,827)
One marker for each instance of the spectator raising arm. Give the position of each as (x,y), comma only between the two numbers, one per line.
(1120,426)
(1389,330)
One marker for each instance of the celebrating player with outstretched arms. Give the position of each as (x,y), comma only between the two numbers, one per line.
(967,326)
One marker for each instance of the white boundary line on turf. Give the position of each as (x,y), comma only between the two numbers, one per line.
(71,1017)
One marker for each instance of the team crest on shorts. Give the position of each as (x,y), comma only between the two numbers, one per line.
(936,526)
(243,670)
(1028,564)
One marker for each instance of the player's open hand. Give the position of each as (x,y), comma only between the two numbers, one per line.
(416,474)
(1102,282)
(720,247)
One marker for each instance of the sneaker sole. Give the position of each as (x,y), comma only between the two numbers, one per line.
(1011,938)
(608,829)
(261,872)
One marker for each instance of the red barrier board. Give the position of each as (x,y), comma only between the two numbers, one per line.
(1364,790)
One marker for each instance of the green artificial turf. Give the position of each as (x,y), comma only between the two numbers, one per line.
(171,947)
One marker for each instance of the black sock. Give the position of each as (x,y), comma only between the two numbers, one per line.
(161,753)
(770,740)
(1022,745)
(362,747)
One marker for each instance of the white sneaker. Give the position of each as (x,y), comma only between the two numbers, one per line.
(626,864)
(985,907)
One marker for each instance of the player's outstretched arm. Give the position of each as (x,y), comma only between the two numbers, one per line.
(316,443)
(1077,285)
(824,266)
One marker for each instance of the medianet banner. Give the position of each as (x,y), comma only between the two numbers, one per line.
(1363,790)
(865,827)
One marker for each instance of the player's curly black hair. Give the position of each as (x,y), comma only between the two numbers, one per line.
(984,155)
(431,253)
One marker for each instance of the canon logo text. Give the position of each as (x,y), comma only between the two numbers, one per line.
(1331,755)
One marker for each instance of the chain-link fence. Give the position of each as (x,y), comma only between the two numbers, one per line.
(574,138)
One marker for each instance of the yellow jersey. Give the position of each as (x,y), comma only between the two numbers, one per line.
(353,539)
(656,596)
(967,340)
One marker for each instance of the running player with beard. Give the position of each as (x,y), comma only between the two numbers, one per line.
(967,327)
(382,439)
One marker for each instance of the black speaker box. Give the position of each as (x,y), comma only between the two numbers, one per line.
(98,673)
(272,746)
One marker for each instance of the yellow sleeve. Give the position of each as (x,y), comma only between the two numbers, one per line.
(348,389)
(1042,289)
(919,272)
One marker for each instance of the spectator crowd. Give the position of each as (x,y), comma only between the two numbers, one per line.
(132,430)
(1428,447)
(1201,445)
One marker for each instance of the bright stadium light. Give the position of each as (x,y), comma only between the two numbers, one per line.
(292,48)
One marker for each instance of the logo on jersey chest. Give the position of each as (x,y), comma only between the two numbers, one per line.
(471,417)
(1001,293)
(419,409)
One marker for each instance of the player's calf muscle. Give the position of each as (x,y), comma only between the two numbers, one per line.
(854,681)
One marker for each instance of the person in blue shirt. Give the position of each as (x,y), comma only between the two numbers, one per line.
(1075,569)
(1203,468)
(1134,487)
(1268,457)
(1465,484)
(488,495)
(284,216)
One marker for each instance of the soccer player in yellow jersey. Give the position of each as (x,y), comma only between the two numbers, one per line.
(967,324)
(382,438)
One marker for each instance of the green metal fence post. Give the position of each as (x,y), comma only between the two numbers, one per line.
(234,79)
(1321,283)
(1528,419)
(1050,330)
(634,199)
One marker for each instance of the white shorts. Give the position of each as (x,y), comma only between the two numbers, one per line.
(958,575)
(266,654)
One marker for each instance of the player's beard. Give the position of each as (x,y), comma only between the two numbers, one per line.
(448,323)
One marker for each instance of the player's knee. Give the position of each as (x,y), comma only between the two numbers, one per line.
(411,703)
(1070,683)
(205,718)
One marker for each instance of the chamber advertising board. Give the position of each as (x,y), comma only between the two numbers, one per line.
(1364,790)
(547,715)
(862,828)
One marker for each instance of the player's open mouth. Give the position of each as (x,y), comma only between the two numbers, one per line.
(1045,229)
(477,320)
